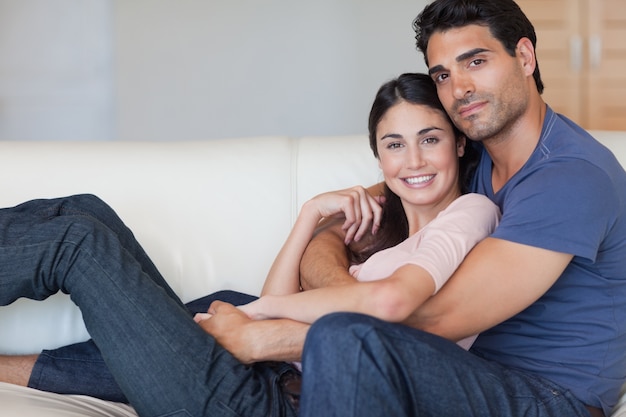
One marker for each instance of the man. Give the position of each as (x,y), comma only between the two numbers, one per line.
(547,289)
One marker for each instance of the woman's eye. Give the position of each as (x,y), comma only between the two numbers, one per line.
(430,140)
(394,145)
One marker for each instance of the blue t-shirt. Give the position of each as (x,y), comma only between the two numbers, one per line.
(569,197)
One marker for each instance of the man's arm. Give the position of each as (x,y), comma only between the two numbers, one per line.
(254,341)
(325,260)
(497,280)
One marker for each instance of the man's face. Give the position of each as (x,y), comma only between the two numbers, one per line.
(482,87)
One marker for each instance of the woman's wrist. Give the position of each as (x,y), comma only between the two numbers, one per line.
(311,211)
(265,306)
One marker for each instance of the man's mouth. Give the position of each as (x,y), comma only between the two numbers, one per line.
(470,109)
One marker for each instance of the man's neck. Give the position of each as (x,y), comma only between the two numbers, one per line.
(510,150)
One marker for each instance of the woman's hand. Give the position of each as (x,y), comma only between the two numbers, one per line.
(362,211)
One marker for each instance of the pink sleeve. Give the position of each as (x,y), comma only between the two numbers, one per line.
(448,238)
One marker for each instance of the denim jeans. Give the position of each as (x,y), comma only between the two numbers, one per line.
(80,369)
(164,363)
(367,367)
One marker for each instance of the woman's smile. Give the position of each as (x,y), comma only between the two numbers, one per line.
(419,180)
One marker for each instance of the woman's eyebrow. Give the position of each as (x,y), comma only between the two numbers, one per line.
(419,133)
(391,136)
(428,129)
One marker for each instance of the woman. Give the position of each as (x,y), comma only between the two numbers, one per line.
(427,227)
(165,364)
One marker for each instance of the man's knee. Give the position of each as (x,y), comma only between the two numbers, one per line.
(341,334)
(337,334)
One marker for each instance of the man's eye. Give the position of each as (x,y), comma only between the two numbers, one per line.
(476,62)
(441,77)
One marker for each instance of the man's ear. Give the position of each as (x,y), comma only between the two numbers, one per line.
(526,55)
(460,146)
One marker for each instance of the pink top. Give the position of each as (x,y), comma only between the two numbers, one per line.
(440,246)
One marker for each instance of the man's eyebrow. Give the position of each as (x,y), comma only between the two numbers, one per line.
(470,53)
(435,69)
(464,56)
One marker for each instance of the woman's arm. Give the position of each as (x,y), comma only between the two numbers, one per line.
(392,299)
(361,213)
(417,269)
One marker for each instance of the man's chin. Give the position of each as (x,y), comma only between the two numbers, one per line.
(471,129)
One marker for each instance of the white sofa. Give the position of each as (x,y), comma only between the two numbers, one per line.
(212,215)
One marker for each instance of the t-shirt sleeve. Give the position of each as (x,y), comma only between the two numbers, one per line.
(449,238)
(564,206)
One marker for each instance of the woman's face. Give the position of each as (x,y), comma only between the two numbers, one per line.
(418,154)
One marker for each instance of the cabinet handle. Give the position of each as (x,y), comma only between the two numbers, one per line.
(595,51)
(576,53)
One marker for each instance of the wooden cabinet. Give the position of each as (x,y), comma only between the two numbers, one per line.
(581,50)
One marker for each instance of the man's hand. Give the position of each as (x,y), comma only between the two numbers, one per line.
(253,341)
(227,324)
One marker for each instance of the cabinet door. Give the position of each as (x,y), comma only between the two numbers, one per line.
(559,52)
(606,73)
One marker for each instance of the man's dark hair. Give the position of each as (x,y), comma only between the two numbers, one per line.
(505,20)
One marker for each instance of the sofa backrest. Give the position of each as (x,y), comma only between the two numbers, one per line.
(211,214)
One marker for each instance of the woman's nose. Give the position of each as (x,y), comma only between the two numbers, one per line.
(415,158)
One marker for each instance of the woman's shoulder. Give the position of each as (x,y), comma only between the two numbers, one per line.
(474,206)
(472,199)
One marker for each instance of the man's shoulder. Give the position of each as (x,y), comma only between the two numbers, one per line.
(561,137)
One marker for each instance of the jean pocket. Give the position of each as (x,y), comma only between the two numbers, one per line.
(177,413)
(226,411)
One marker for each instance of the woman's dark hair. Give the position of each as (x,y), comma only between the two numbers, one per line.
(505,20)
(415,89)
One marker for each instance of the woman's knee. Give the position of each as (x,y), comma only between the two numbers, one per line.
(85,204)
(82,234)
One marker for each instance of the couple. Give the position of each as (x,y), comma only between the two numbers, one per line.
(405,253)
(546,290)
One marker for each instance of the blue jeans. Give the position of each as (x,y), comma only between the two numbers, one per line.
(366,367)
(80,369)
(164,363)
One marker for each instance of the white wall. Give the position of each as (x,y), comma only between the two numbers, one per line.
(197,69)
(55,70)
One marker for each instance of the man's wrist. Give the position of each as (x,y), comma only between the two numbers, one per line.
(276,340)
